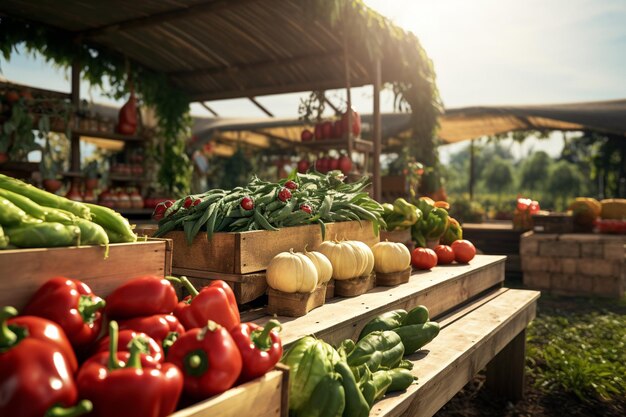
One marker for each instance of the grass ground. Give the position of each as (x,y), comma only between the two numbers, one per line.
(575,364)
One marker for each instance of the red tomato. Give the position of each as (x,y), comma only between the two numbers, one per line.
(303,166)
(284,194)
(322,165)
(423,258)
(445,254)
(345,164)
(306,135)
(291,185)
(464,251)
(247,203)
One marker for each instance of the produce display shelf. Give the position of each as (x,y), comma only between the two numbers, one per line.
(360,145)
(441,289)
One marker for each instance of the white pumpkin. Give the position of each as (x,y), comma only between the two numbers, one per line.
(391,257)
(292,272)
(369,266)
(348,260)
(322,265)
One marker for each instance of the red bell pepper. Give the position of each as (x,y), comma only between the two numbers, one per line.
(163,328)
(35,376)
(152,352)
(45,330)
(209,359)
(124,385)
(214,302)
(143,296)
(73,306)
(260,348)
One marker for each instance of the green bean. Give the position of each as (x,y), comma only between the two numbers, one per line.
(262,221)
(110,219)
(26,204)
(43,235)
(4,239)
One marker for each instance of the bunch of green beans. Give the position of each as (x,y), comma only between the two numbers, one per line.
(298,200)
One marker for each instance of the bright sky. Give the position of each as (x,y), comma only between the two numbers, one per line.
(484,52)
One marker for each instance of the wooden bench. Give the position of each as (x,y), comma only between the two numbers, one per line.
(483,325)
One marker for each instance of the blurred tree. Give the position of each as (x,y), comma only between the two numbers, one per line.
(498,175)
(534,173)
(565,181)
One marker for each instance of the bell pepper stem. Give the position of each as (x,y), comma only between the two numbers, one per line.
(113,340)
(83,407)
(261,338)
(137,346)
(88,308)
(7,337)
(185,283)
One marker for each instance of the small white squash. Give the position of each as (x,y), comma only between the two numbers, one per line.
(369,266)
(348,260)
(322,265)
(391,257)
(292,272)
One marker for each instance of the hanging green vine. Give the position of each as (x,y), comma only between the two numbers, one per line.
(170,104)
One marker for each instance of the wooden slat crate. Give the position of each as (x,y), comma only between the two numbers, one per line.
(247,252)
(264,396)
(24,270)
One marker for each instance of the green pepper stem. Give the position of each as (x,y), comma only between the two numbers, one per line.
(83,407)
(113,340)
(7,337)
(137,346)
(185,283)
(88,308)
(261,338)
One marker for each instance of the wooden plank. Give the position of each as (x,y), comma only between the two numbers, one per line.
(462,349)
(246,287)
(263,396)
(505,372)
(24,270)
(247,252)
(440,289)
(295,304)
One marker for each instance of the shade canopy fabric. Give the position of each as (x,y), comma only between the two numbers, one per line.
(473,122)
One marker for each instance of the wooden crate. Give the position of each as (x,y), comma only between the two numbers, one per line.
(264,396)
(24,270)
(553,223)
(400,236)
(247,252)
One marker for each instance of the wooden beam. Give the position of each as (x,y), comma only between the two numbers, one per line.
(471,170)
(213,112)
(286,141)
(377,132)
(260,106)
(277,89)
(211,6)
(304,60)
(332,106)
(346,60)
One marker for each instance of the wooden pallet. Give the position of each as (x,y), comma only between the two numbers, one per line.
(24,270)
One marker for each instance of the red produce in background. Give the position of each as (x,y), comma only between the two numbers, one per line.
(345,164)
(322,165)
(306,135)
(333,164)
(327,130)
(318,131)
(338,129)
(356,123)
(303,166)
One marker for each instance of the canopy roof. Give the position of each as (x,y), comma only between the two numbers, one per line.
(455,124)
(217,49)
(472,122)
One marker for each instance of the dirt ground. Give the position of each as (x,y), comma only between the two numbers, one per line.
(474,400)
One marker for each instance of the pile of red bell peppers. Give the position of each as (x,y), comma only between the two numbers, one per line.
(59,358)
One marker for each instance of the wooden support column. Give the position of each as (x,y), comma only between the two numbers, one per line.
(377,132)
(346,60)
(75,139)
(505,372)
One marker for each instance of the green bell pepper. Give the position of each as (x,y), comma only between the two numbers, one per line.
(386,321)
(386,342)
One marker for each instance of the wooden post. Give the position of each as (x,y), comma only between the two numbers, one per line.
(505,372)
(75,139)
(471,171)
(377,131)
(346,60)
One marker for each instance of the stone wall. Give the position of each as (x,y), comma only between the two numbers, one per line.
(574,264)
